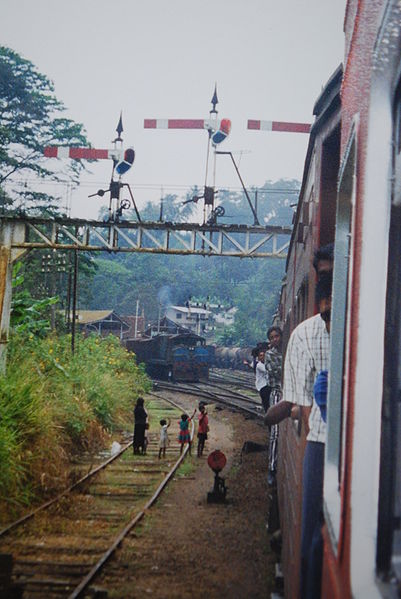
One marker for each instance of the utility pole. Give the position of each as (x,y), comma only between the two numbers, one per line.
(136,318)
(161,206)
(51,265)
(74,300)
(158,320)
(8,256)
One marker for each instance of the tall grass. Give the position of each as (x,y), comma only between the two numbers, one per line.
(53,404)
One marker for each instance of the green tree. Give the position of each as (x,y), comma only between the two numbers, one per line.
(49,273)
(31,117)
(28,315)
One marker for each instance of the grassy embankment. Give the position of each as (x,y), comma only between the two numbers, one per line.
(53,404)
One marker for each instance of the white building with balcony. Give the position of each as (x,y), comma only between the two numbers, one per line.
(195,319)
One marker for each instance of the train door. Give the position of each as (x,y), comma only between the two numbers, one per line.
(338,340)
(389,523)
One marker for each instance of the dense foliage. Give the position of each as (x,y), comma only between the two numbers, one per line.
(31,117)
(53,403)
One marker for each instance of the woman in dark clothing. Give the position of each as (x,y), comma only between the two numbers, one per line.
(141,417)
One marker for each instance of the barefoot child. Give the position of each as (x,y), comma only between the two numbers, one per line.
(163,442)
(185,436)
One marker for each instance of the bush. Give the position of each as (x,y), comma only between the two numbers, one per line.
(53,404)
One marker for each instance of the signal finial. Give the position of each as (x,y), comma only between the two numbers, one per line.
(119,128)
(214,100)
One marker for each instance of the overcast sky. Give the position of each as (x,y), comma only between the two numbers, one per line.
(161,59)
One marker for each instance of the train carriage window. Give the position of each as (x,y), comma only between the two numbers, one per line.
(338,333)
(389,524)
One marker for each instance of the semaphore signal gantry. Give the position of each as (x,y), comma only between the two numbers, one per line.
(115,234)
(122,162)
(20,234)
(218,130)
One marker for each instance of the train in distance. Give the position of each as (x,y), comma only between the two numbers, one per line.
(185,357)
(177,357)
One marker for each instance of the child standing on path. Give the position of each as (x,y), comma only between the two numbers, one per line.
(163,442)
(203,428)
(185,436)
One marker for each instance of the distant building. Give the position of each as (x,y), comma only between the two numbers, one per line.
(102,322)
(195,319)
(165,325)
(225,317)
(136,326)
(221,317)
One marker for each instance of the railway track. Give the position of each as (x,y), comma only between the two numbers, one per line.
(59,548)
(238,378)
(219,394)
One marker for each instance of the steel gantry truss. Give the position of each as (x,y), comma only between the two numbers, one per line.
(243,241)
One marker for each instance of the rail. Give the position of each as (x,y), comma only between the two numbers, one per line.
(100,563)
(68,586)
(66,491)
(233,400)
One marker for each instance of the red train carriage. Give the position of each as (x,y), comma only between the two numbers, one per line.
(362,466)
(351,190)
(314,225)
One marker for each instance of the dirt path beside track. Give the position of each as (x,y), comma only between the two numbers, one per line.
(188,548)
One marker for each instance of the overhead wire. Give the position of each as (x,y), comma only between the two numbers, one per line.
(157,186)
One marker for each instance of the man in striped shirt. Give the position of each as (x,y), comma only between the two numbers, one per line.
(307,355)
(300,371)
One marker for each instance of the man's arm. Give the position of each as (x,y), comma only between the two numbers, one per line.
(278,412)
(282,410)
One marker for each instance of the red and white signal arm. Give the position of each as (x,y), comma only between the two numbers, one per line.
(209,124)
(125,158)
(81,153)
(282,126)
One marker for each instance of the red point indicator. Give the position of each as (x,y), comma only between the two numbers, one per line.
(217,460)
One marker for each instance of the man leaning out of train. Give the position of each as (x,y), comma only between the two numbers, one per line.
(307,355)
